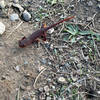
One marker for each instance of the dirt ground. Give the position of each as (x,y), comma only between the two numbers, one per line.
(38,66)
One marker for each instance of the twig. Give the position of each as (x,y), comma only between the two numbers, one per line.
(95,46)
(92,77)
(38,77)
(91,21)
(15,29)
(72,84)
(48,52)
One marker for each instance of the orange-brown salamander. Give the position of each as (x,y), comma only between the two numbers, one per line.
(41,32)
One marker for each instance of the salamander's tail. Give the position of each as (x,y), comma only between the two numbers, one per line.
(66,19)
(53,25)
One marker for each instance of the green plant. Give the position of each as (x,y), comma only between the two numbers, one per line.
(75,32)
(54,1)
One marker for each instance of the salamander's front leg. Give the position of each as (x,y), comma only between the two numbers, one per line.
(44,34)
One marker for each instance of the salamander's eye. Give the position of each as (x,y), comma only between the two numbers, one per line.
(21,44)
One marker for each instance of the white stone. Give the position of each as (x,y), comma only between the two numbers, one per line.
(46,88)
(17,68)
(2,4)
(15,1)
(62,80)
(14,17)
(98,92)
(26,15)
(18,6)
(51,30)
(2,28)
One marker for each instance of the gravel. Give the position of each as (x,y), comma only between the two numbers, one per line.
(15,1)
(14,17)
(26,16)
(61,80)
(18,6)
(2,4)
(2,28)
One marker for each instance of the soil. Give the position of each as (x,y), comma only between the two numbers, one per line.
(32,60)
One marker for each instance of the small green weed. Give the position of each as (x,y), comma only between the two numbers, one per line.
(74,32)
(54,1)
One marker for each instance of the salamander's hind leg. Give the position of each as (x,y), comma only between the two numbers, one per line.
(43,37)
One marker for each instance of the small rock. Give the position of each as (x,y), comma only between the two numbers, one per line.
(26,16)
(51,46)
(15,1)
(46,88)
(43,61)
(28,88)
(42,96)
(17,68)
(2,28)
(53,87)
(2,4)
(18,6)
(47,93)
(51,30)
(14,17)
(40,89)
(3,77)
(98,92)
(89,18)
(74,76)
(59,98)
(26,98)
(9,5)
(25,62)
(48,98)
(98,6)
(61,80)
(49,80)
(22,87)
(49,63)
(41,68)
(90,3)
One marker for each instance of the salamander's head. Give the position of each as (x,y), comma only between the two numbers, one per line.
(22,43)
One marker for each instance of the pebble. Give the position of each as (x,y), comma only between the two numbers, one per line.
(42,96)
(46,88)
(14,17)
(17,68)
(26,98)
(40,89)
(98,92)
(48,98)
(2,28)
(2,4)
(15,1)
(25,62)
(53,87)
(61,80)
(22,87)
(43,61)
(51,30)
(3,77)
(90,3)
(26,16)
(18,6)
(41,68)
(98,6)
(89,18)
